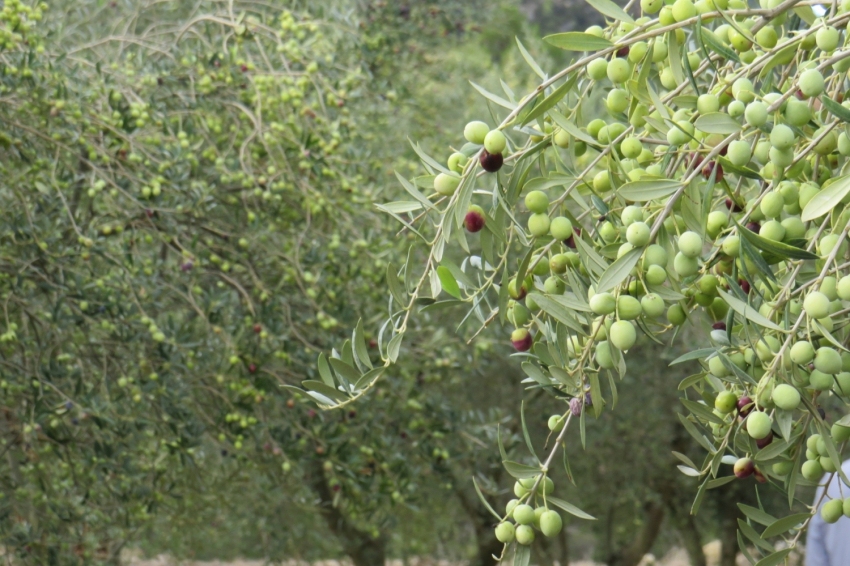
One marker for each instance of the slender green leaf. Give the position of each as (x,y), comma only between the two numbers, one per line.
(522,555)
(569,508)
(530,60)
(695,433)
(717,46)
(701,411)
(492,97)
(368,377)
(525,434)
(781,57)
(749,532)
(484,501)
(647,190)
(700,495)
(747,311)
(773,450)
(746,172)
(550,101)
(776,558)
(557,311)
(324,389)
(784,524)
(563,123)
(685,459)
(535,373)
(395,286)
(447,281)
(695,355)
(414,192)
(688,471)
(345,370)
(520,471)
(358,341)
(757,515)
(596,393)
(400,207)
(428,160)
(778,249)
(440,305)
(827,199)
(717,482)
(577,41)
(836,109)
(608,8)
(394,347)
(690,381)
(717,123)
(618,271)
(806,13)
(325,371)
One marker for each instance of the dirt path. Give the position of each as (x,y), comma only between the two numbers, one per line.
(676,557)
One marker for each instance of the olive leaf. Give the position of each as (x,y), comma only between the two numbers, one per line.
(647,190)
(717,123)
(827,199)
(608,8)
(577,41)
(748,312)
(619,270)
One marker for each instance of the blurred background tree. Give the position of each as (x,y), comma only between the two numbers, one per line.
(188,195)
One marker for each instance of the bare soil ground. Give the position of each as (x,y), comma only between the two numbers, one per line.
(676,557)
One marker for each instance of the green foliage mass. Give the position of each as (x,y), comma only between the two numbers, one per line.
(189,223)
(712,191)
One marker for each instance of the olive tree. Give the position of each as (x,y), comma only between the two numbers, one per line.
(178,195)
(712,193)
(190,220)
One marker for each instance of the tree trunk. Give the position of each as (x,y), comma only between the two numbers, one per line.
(487,545)
(564,539)
(729,536)
(359,545)
(691,539)
(644,539)
(551,551)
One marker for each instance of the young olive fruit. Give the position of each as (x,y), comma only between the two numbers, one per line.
(812,470)
(446,184)
(786,397)
(652,305)
(725,402)
(561,228)
(537,202)
(475,132)
(637,234)
(551,523)
(816,305)
(524,514)
(690,244)
(618,70)
(524,535)
(827,360)
(811,83)
(622,335)
(832,510)
(495,141)
(505,532)
(758,425)
(474,219)
(744,468)
(628,307)
(538,225)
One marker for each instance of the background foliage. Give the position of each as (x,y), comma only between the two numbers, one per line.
(188,193)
